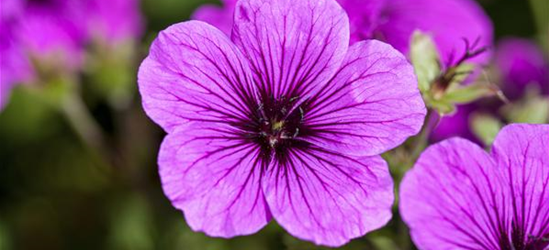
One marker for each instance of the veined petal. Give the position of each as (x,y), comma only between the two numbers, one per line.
(213,176)
(452,198)
(370,106)
(195,73)
(292,46)
(327,197)
(522,155)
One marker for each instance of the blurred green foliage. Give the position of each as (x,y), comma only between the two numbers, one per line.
(58,193)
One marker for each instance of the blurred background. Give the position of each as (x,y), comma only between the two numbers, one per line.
(82,174)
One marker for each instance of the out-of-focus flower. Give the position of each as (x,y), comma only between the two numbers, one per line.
(394,21)
(521,63)
(13,65)
(449,22)
(114,21)
(459,197)
(219,16)
(456,124)
(48,34)
(284,121)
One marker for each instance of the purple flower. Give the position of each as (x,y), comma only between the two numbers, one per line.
(219,16)
(13,65)
(393,21)
(47,33)
(456,124)
(521,63)
(448,21)
(114,21)
(460,197)
(284,121)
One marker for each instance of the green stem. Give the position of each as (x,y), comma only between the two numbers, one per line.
(421,140)
(85,126)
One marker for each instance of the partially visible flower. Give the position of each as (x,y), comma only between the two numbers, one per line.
(449,22)
(219,16)
(48,34)
(114,21)
(457,196)
(394,21)
(456,124)
(284,121)
(13,65)
(521,63)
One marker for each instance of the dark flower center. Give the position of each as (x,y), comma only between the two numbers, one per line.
(42,2)
(279,123)
(518,240)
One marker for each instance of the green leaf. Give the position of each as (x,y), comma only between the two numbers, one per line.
(486,127)
(442,106)
(469,93)
(425,59)
(532,110)
(460,73)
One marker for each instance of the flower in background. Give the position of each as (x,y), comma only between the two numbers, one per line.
(449,22)
(456,124)
(43,37)
(219,16)
(13,66)
(284,121)
(459,197)
(521,64)
(394,21)
(114,21)
(49,36)
(38,33)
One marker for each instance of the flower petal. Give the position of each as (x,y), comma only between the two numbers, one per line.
(293,46)
(452,198)
(522,155)
(195,73)
(213,176)
(370,106)
(329,198)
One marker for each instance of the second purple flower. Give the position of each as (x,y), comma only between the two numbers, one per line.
(284,121)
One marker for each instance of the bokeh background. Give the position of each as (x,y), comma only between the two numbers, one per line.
(58,192)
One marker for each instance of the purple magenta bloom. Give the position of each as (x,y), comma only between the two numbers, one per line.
(47,32)
(521,63)
(457,196)
(13,65)
(219,16)
(114,21)
(456,124)
(284,121)
(448,21)
(394,21)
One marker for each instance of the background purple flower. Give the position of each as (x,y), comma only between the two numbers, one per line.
(457,124)
(521,63)
(449,22)
(114,21)
(219,16)
(13,66)
(284,121)
(459,197)
(47,32)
